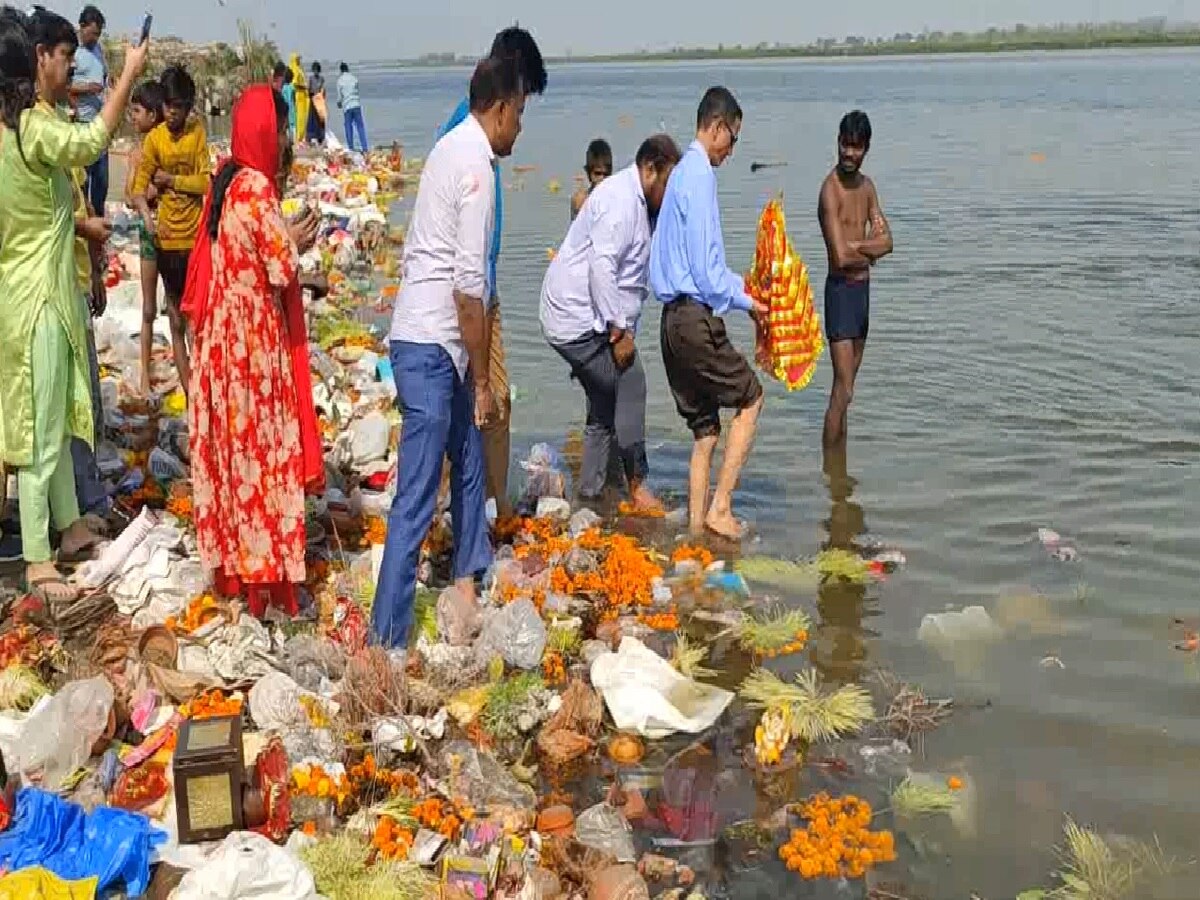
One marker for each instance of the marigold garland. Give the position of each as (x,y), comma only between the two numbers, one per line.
(392,841)
(313,781)
(702,556)
(212,705)
(198,611)
(554,670)
(837,842)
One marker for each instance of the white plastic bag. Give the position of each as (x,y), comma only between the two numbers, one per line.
(247,866)
(604,828)
(517,633)
(57,737)
(645,694)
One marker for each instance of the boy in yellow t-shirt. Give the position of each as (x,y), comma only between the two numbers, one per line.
(175,161)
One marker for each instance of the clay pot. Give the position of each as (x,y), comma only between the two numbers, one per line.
(556,821)
(254,807)
(626,750)
(158,645)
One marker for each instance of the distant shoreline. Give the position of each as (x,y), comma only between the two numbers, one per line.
(1003,43)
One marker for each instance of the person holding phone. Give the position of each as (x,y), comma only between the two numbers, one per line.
(254,441)
(44,370)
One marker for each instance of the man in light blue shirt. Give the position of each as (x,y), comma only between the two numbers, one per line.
(87,93)
(351,106)
(516,44)
(689,276)
(591,301)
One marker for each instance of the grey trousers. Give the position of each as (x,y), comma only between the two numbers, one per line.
(89,486)
(616,411)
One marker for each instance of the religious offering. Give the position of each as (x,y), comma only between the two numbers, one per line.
(791,342)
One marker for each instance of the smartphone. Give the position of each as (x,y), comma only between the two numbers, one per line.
(146,23)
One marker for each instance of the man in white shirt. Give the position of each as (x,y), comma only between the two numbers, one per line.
(592,299)
(440,345)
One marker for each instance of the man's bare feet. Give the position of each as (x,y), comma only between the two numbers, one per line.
(78,540)
(643,498)
(724,525)
(47,584)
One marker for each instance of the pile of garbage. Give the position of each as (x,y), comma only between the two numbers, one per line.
(565,734)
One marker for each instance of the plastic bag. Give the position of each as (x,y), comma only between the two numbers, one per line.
(517,633)
(369,438)
(458,617)
(545,477)
(645,694)
(602,827)
(57,737)
(248,865)
(477,775)
(972,624)
(110,844)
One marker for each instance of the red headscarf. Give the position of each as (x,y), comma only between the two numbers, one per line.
(255,146)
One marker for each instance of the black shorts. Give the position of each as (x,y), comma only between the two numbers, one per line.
(847,309)
(172,268)
(705,371)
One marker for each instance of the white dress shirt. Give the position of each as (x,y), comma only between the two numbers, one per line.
(598,277)
(446,248)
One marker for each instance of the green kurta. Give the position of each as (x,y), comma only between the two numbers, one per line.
(37,267)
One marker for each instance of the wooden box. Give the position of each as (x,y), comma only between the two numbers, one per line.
(209,773)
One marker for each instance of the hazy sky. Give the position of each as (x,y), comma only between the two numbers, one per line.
(374,29)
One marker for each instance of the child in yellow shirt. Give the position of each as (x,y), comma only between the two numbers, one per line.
(145,113)
(175,161)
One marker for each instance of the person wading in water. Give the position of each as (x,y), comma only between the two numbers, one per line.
(856,236)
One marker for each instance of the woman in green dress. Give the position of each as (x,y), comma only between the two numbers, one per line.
(45,397)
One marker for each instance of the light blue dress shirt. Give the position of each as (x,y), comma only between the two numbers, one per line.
(347,88)
(598,277)
(90,69)
(461,112)
(687,253)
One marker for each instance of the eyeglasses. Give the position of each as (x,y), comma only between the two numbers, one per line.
(733,135)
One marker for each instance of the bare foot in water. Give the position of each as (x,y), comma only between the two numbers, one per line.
(643,499)
(78,541)
(47,584)
(724,525)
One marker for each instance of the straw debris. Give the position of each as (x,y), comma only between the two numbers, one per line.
(816,715)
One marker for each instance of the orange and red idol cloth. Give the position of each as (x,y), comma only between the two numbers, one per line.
(791,343)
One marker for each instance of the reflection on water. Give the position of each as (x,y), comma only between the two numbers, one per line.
(839,649)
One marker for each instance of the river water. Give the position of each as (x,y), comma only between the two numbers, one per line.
(1027,366)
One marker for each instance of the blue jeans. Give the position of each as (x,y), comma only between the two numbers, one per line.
(95,187)
(439,420)
(352,120)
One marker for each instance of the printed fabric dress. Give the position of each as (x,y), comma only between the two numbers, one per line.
(247,462)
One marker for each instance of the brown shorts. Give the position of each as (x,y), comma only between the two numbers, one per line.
(705,371)
(172,268)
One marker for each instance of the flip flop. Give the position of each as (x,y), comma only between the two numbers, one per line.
(38,586)
(84,554)
(743,531)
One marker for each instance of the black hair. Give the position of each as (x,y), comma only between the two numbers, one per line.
(279,70)
(91,16)
(717,105)
(343,67)
(289,76)
(855,130)
(517,43)
(495,80)
(316,67)
(599,153)
(149,95)
(224,176)
(658,151)
(179,89)
(47,29)
(18,70)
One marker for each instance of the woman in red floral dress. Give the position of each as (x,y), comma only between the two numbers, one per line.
(253,432)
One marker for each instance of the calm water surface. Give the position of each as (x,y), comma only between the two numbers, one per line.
(1031,346)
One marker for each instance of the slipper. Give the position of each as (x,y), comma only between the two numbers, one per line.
(86,553)
(743,530)
(38,588)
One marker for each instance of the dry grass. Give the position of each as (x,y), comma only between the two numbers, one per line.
(910,714)
(913,800)
(773,630)
(688,658)
(1098,868)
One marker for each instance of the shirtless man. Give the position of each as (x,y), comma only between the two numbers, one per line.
(856,236)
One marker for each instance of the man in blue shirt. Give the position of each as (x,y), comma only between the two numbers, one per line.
(87,94)
(518,44)
(689,276)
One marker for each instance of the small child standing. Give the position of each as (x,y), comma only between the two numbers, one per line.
(289,95)
(145,114)
(175,163)
(597,165)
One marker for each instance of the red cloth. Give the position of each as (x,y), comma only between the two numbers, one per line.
(255,145)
